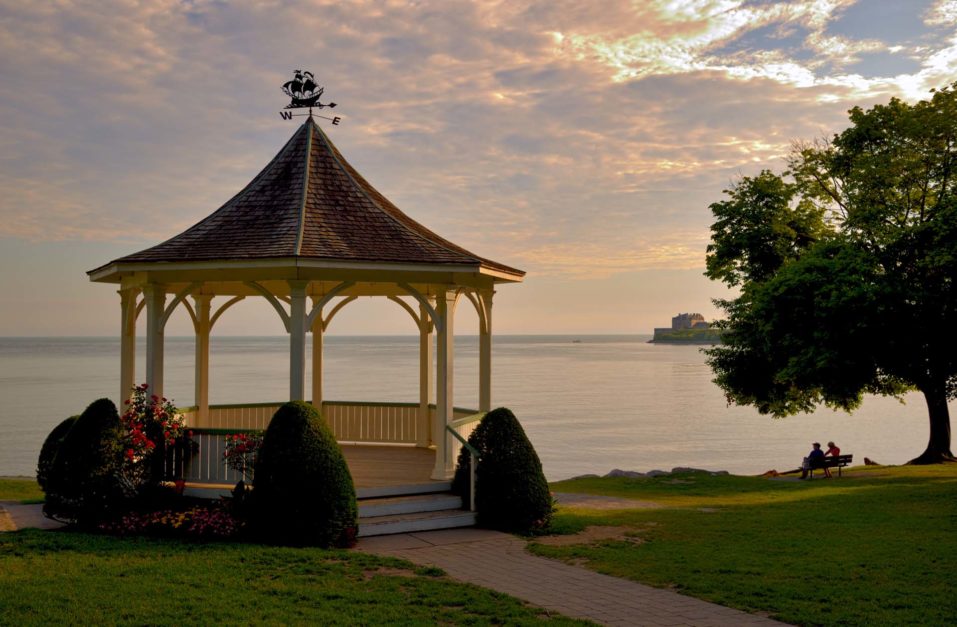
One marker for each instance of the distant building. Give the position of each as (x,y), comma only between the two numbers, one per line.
(689,321)
(688,328)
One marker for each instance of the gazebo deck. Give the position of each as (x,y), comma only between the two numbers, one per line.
(388,466)
(376,469)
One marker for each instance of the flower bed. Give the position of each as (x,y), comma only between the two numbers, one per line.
(183,518)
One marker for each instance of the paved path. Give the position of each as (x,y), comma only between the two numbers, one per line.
(499,561)
(15,516)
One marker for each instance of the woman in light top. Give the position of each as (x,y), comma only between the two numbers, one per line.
(832,451)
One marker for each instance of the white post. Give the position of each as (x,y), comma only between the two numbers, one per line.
(297,341)
(445,349)
(485,354)
(317,358)
(127,343)
(423,431)
(155,296)
(202,302)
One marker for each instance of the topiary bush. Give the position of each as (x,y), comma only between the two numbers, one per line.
(302,489)
(49,449)
(83,484)
(511,493)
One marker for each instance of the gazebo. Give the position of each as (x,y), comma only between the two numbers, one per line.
(310,235)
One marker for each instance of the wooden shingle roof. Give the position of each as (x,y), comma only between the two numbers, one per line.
(310,203)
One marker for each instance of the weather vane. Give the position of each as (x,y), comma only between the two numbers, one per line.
(305,94)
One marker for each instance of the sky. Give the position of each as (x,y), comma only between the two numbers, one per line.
(582,142)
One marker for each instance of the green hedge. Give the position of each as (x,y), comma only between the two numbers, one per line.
(302,491)
(83,483)
(49,450)
(511,493)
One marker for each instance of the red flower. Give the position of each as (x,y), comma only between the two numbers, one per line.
(129,454)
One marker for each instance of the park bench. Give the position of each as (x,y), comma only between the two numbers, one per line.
(837,461)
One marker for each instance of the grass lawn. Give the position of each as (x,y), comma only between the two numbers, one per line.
(55,577)
(21,489)
(64,577)
(878,546)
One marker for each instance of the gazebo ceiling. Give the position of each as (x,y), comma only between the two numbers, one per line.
(308,215)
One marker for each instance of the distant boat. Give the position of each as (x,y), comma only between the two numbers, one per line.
(576,341)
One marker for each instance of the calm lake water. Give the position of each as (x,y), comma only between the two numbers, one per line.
(588,406)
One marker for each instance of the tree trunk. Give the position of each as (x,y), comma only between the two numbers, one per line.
(938,447)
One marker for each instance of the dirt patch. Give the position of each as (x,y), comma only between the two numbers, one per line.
(593,501)
(6,523)
(590,535)
(386,571)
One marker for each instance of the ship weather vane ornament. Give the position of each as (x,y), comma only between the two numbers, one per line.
(305,94)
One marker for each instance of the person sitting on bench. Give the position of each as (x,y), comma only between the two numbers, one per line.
(814,459)
(832,451)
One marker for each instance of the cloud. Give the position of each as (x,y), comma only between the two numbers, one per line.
(696,36)
(547,134)
(941,13)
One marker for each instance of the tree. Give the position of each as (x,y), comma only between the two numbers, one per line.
(847,266)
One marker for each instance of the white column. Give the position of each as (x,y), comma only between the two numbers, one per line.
(423,429)
(155,296)
(297,341)
(127,343)
(317,358)
(202,302)
(445,352)
(485,354)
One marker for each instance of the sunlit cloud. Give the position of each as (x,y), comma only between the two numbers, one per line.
(690,39)
(549,134)
(942,13)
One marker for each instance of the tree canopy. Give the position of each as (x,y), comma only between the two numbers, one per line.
(846,265)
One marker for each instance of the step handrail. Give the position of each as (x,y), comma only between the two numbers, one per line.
(474,457)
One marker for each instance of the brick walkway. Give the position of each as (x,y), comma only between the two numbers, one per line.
(500,562)
(15,516)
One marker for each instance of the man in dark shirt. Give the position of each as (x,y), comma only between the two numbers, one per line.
(814,459)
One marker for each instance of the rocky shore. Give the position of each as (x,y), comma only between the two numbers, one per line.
(634,474)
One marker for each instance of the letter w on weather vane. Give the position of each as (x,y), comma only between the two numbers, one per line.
(305,94)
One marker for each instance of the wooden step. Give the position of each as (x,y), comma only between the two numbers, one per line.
(370,508)
(410,523)
(216,490)
(431,487)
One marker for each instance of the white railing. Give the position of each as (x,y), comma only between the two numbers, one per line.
(461,428)
(364,423)
(253,417)
(380,423)
(206,464)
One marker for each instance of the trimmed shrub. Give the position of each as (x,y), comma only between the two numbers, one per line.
(302,489)
(511,493)
(48,451)
(83,484)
